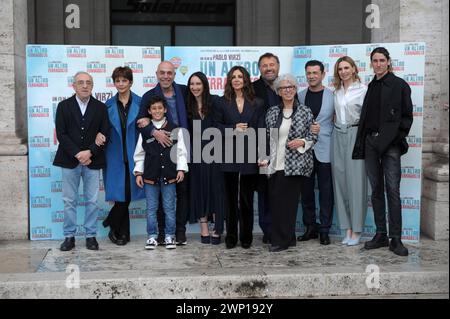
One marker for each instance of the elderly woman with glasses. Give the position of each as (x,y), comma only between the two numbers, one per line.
(291,159)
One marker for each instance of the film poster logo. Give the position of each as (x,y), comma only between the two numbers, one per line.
(137,213)
(38,111)
(302,81)
(414,141)
(176,61)
(337,52)
(135,67)
(411,172)
(362,66)
(150,81)
(410,234)
(55,102)
(398,65)
(370,48)
(37,82)
(417,111)
(76,52)
(56,187)
(414,49)
(40,172)
(41,202)
(58,216)
(109,82)
(410,203)
(57,67)
(96,67)
(39,142)
(151,53)
(41,232)
(70,81)
(37,52)
(414,79)
(302,53)
(114,53)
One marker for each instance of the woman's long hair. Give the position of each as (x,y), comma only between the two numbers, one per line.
(192,107)
(337,82)
(247,90)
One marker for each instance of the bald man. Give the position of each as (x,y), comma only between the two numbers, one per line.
(175,95)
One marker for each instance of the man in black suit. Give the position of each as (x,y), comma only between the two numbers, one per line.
(175,96)
(78,121)
(269,67)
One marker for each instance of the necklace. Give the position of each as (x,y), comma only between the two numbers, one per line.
(288,117)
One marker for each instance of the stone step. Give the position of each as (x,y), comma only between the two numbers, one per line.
(441,149)
(210,272)
(434,218)
(437,191)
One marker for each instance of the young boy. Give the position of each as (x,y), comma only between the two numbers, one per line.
(157,173)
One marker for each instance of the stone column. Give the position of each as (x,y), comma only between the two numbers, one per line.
(13,128)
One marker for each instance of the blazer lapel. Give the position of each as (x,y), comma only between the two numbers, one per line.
(90,113)
(114,116)
(133,112)
(75,110)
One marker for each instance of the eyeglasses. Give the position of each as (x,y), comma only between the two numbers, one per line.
(286,88)
(81,83)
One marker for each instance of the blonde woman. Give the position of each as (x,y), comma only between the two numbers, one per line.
(349,176)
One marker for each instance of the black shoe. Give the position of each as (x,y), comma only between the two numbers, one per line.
(378,241)
(324,239)
(245,245)
(310,233)
(230,241)
(266,239)
(180,239)
(396,246)
(122,240)
(205,239)
(112,237)
(68,244)
(275,249)
(161,239)
(91,243)
(215,240)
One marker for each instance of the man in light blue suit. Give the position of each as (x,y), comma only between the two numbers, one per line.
(321,102)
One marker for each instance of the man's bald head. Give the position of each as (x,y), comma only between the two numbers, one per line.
(166,74)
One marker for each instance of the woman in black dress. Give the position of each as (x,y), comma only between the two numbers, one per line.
(206,180)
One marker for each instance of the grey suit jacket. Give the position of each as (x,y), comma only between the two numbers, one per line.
(322,148)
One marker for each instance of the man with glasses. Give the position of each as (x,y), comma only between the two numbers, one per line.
(321,102)
(78,121)
(175,96)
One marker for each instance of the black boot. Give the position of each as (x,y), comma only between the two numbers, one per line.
(378,241)
(396,246)
(310,233)
(68,244)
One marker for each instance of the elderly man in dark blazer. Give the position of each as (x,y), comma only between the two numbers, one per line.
(78,121)
(386,119)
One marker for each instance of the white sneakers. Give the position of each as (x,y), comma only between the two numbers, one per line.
(151,243)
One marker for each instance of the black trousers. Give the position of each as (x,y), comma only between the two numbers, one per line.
(385,169)
(284,195)
(239,190)
(326,201)
(119,215)
(182,211)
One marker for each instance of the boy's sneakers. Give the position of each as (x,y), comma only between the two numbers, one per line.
(151,244)
(170,243)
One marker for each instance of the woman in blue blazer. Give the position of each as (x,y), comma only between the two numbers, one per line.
(118,177)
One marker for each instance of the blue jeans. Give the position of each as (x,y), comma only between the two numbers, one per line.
(70,185)
(169,197)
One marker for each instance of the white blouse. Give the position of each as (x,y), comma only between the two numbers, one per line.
(283,134)
(348,105)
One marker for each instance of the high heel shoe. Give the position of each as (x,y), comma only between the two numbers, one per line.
(345,241)
(215,240)
(205,239)
(354,242)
